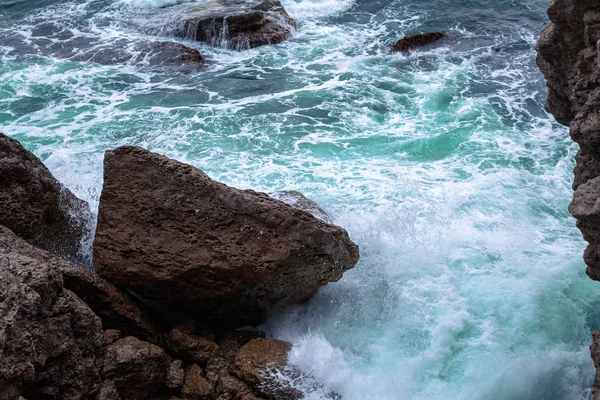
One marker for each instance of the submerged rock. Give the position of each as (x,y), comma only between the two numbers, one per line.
(140,54)
(48,336)
(234,24)
(423,39)
(301,202)
(230,257)
(36,207)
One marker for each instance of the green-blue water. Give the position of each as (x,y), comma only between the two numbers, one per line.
(442,165)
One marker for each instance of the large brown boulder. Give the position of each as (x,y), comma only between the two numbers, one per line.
(230,257)
(137,368)
(48,336)
(35,206)
(235,24)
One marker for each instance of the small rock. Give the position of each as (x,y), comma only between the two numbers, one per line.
(137,368)
(258,362)
(111,336)
(175,374)
(195,387)
(423,39)
(191,348)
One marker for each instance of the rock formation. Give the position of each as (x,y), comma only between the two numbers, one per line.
(48,336)
(67,333)
(568,57)
(230,257)
(35,206)
(411,42)
(235,24)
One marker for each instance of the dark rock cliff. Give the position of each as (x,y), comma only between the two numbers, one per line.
(568,52)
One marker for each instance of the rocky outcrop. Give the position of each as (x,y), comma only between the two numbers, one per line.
(235,24)
(230,257)
(568,52)
(414,41)
(48,336)
(36,207)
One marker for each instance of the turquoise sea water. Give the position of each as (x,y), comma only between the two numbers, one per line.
(442,165)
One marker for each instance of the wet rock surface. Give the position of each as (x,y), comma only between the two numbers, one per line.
(230,257)
(415,41)
(235,24)
(568,52)
(36,207)
(301,202)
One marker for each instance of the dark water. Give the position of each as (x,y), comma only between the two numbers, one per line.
(442,165)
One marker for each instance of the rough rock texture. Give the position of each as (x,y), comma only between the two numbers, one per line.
(411,42)
(301,202)
(230,257)
(35,206)
(175,375)
(48,336)
(191,348)
(137,369)
(235,24)
(568,58)
(117,309)
(258,362)
(595,351)
(195,387)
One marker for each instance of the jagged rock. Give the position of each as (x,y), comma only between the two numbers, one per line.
(108,391)
(301,202)
(175,375)
(142,54)
(117,309)
(138,369)
(235,24)
(568,52)
(258,362)
(191,348)
(48,336)
(411,42)
(111,336)
(36,207)
(595,352)
(195,387)
(167,232)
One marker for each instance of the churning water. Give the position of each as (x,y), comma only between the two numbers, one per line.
(442,165)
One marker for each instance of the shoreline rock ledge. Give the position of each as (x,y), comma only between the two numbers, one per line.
(225,256)
(568,56)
